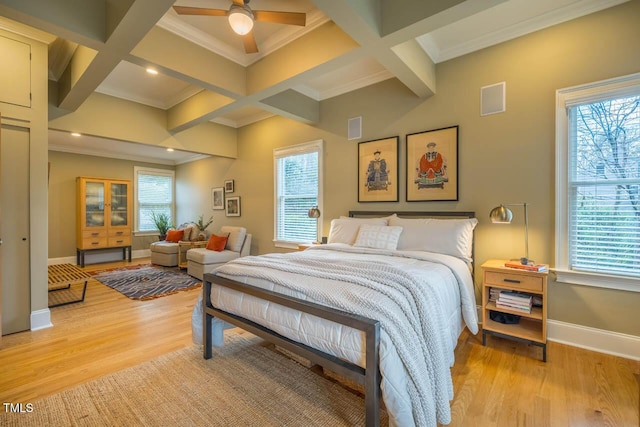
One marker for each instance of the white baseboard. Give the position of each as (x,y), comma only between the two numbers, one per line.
(41,319)
(614,343)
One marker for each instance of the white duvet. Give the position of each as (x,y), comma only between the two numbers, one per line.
(416,391)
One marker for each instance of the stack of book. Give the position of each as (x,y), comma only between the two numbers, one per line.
(526,267)
(494,294)
(515,301)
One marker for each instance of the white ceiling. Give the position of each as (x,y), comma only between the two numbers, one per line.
(495,22)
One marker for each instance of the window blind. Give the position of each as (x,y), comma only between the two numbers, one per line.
(297,190)
(604,179)
(154,194)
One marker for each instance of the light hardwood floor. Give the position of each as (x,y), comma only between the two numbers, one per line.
(502,384)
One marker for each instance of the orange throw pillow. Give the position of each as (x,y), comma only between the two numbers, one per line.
(217,243)
(174,236)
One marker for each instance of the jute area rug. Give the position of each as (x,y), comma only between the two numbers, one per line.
(244,384)
(143,282)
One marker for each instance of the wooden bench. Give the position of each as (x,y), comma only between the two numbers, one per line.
(62,276)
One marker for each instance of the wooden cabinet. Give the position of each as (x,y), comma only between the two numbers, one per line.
(104,215)
(531,327)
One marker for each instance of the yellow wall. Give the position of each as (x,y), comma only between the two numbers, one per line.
(65,167)
(508,157)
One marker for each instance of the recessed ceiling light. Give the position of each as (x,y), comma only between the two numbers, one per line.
(76,134)
(152,71)
(169,149)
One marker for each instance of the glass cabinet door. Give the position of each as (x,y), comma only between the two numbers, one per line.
(94,204)
(119,214)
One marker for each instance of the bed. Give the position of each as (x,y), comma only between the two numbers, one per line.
(382,303)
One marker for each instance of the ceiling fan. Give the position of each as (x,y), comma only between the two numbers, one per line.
(241,19)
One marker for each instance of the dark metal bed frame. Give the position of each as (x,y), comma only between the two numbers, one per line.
(369,376)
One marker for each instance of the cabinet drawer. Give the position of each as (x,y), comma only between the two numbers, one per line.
(120,241)
(94,234)
(94,242)
(513,281)
(119,233)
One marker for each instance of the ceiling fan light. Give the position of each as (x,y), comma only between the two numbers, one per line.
(241,20)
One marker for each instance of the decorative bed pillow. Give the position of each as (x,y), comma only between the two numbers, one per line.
(345,230)
(174,236)
(445,236)
(236,237)
(217,243)
(378,236)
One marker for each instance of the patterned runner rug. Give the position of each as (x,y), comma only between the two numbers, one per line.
(143,282)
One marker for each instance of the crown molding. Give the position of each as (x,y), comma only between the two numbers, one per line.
(174,24)
(178,27)
(553,17)
(131,157)
(127,96)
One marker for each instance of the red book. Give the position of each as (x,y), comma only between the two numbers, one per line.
(528,267)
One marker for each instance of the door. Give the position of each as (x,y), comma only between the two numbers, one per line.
(14,230)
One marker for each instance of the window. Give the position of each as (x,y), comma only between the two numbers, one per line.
(598,206)
(153,192)
(298,187)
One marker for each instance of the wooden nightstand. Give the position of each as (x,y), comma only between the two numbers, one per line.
(532,327)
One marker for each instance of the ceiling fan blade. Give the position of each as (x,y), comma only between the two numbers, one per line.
(184,10)
(249,42)
(289,18)
(238,2)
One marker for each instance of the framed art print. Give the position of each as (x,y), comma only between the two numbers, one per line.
(432,165)
(217,198)
(378,170)
(228,186)
(232,205)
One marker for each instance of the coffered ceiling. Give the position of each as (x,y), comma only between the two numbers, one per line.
(205,75)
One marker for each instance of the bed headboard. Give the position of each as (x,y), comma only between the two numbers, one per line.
(415,214)
(422,214)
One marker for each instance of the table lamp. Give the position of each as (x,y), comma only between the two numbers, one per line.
(503,215)
(314,212)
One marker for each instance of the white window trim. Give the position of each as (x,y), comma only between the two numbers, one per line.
(305,147)
(569,97)
(166,172)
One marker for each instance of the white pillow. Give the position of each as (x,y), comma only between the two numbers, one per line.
(345,230)
(445,236)
(236,237)
(378,236)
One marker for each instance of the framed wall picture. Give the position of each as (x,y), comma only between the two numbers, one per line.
(217,198)
(228,186)
(232,206)
(378,170)
(432,165)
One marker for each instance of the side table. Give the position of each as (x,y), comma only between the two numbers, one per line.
(182,253)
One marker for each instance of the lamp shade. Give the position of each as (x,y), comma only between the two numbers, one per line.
(314,212)
(240,19)
(501,215)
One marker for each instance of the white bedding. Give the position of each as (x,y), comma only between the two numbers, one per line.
(455,296)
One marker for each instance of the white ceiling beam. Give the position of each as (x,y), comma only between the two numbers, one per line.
(387,30)
(182,59)
(294,105)
(106,30)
